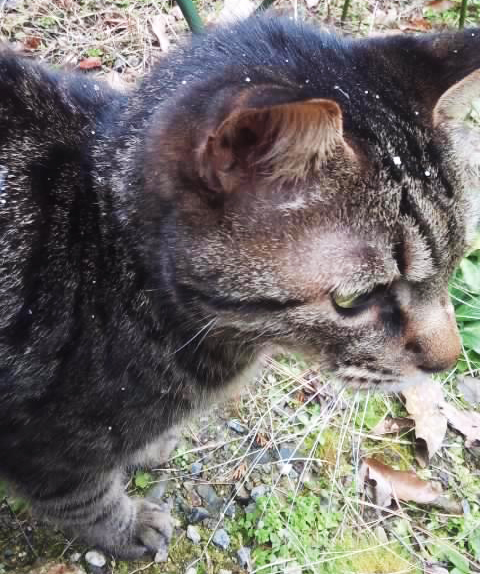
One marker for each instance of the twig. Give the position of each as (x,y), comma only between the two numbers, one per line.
(346,6)
(463,14)
(14,517)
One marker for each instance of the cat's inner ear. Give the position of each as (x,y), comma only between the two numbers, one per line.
(455,103)
(280,142)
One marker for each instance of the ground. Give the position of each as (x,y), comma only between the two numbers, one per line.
(275,472)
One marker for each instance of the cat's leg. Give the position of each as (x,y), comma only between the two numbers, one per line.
(158,451)
(101,514)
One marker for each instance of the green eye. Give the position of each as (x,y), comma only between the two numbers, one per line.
(350,301)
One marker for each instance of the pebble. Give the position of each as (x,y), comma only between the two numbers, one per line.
(75,557)
(286,452)
(237,426)
(242,494)
(158,490)
(95,558)
(212,501)
(193,534)
(293,568)
(161,555)
(258,491)
(244,558)
(221,539)
(197,467)
(198,514)
(230,510)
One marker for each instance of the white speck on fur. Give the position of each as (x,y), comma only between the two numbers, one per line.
(427,173)
(247,79)
(3,176)
(341,91)
(397,160)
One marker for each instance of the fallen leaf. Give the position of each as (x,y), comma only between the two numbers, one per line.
(466,422)
(261,439)
(470,389)
(390,425)
(90,63)
(240,471)
(388,484)
(159,27)
(416,25)
(423,403)
(236,10)
(440,5)
(31,42)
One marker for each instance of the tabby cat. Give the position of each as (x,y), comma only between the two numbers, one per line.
(267,184)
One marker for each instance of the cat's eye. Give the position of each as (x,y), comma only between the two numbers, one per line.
(353,301)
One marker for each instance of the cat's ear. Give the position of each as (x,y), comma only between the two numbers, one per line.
(280,141)
(455,103)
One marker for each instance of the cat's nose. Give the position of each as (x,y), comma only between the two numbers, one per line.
(434,344)
(433,359)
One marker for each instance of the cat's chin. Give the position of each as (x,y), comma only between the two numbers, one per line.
(387,387)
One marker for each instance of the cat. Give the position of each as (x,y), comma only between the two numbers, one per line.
(267,184)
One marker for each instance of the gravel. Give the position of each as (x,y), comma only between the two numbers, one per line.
(193,534)
(221,539)
(96,559)
(244,557)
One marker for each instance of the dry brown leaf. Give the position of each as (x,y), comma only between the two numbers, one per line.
(159,27)
(262,439)
(440,5)
(416,25)
(236,10)
(31,42)
(390,484)
(90,63)
(423,402)
(240,471)
(390,425)
(466,422)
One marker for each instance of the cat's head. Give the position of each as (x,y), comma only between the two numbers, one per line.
(318,193)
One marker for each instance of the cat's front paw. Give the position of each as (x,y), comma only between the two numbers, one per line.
(152,531)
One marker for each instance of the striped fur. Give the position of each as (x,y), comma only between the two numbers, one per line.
(154,246)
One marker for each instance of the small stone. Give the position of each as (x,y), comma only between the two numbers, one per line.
(95,558)
(197,467)
(198,515)
(161,555)
(258,491)
(133,61)
(251,508)
(244,558)
(158,490)
(221,539)
(75,557)
(286,452)
(193,534)
(242,494)
(237,426)
(293,568)
(212,501)
(230,511)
